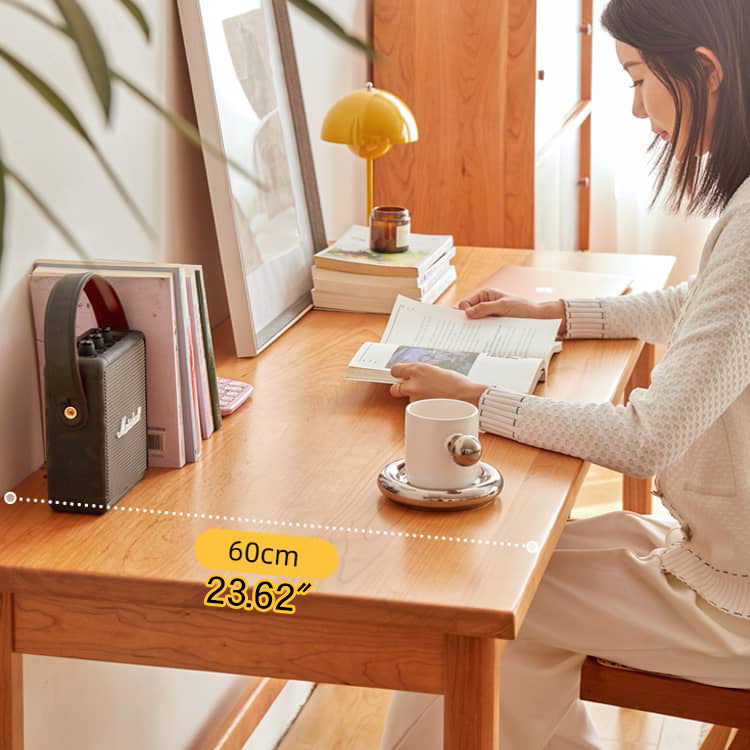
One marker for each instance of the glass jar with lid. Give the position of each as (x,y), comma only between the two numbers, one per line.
(389,229)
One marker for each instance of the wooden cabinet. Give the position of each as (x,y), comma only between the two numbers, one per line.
(501,93)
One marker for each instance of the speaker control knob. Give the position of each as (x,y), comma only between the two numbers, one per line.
(86,348)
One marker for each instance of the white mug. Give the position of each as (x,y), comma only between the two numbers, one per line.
(442,446)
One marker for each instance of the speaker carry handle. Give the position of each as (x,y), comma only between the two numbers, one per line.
(63,381)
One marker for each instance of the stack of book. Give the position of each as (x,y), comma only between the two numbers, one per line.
(167,302)
(350,276)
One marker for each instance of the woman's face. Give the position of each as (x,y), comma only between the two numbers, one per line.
(652,100)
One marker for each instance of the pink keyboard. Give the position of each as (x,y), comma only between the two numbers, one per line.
(232,394)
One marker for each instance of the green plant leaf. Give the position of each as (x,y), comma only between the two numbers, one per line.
(321,17)
(45,91)
(90,49)
(139,17)
(42,206)
(185,128)
(64,110)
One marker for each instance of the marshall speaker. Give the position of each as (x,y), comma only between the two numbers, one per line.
(95,399)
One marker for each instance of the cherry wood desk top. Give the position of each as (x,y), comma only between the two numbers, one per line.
(306,450)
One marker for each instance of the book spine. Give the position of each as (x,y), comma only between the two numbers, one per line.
(434,274)
(441,286)
(199,362)
(333,280)
(195,407)
(208,345)
(189,396)
(361,268)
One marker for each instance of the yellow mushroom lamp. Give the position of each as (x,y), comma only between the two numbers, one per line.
(369,121)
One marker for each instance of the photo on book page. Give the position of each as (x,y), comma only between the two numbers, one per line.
(457,361)
(373,361)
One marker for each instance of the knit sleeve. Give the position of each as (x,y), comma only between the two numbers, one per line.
(705,369)
(648,316)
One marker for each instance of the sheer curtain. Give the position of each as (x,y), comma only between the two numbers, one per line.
(621,185)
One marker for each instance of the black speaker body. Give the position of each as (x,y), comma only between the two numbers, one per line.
(96,438)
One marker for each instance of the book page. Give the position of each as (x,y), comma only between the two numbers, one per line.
(416,324)
(373,362)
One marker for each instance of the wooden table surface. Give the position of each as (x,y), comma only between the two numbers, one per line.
(419,600)
(307,450)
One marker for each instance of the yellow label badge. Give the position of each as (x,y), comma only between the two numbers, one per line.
(268,554)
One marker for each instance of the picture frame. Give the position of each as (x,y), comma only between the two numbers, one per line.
(248,100)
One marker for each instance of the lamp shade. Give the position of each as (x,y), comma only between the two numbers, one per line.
(369,121)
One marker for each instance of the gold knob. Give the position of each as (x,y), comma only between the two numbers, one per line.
(70,412)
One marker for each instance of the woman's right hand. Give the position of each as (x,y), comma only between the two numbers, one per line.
(493,302)
(487,302)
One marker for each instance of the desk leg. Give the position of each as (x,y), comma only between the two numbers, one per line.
(472,694)
(636,492)
(11,685)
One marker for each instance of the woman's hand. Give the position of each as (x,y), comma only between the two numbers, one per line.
(427,381)
(489,302)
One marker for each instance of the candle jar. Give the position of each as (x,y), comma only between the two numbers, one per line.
(389,229)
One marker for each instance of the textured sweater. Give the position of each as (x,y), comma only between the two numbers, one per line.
(690,428)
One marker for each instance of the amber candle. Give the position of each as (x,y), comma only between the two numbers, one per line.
(389,229)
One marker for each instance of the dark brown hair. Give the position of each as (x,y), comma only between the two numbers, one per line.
(667,33)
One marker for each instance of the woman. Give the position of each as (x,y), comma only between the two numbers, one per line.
(665,596)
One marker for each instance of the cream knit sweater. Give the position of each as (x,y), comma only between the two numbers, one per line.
(690,428)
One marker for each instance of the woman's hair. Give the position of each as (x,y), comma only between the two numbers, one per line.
(667,33)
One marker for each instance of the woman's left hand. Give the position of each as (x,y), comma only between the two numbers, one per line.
(420,381)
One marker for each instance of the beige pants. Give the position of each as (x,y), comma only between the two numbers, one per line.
(603,594)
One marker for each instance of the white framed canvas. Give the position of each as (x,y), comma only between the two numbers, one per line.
(245,81)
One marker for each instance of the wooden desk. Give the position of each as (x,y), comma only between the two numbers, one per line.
(419,600)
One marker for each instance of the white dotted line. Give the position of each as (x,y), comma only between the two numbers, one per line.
(531,546)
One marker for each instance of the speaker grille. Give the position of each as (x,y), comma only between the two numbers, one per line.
(124,392)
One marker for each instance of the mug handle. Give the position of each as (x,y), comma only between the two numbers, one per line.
(465,449)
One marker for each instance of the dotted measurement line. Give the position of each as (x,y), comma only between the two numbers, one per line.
(11,498)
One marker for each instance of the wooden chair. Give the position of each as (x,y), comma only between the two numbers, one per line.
(616,685)
(728,710)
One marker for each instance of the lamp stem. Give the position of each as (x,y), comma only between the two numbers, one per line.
(369,191)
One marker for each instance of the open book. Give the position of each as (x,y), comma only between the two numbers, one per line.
(372,364)
(511,352)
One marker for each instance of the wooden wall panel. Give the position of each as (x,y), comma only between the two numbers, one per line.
(467,71)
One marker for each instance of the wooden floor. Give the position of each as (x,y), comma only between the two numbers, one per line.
(348,718)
